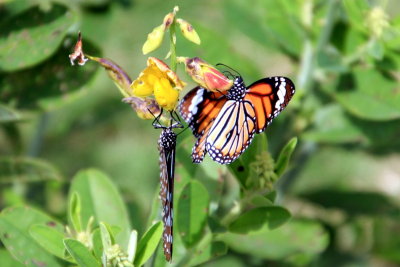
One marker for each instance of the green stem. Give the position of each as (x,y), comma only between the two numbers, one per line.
(36,143)
(172,38)
(308,60)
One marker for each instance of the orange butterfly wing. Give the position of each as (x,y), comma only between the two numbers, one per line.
(269,97)
(199,108)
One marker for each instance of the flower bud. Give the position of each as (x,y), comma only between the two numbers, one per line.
(377,21)
(188,31)
(154,39)
(168,20)
(206,75)
(78,52)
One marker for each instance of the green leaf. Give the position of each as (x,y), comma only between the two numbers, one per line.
(8,261)
(355,203)
(211,251)
(50,238)
(105,236)
(100,198)
(14,234)
(333,125)
(284,157)
(50,84)
(26,170)
(330,59)
(8,115)
(148,244)
(252,220)
(240,167)
(294,237)
(356,11)
(376,49)
(97,244)
(192,212)
(37,31)
(261,201)
(74,212)
(80,253)
(363,99)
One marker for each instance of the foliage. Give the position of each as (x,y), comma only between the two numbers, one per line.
(319,188)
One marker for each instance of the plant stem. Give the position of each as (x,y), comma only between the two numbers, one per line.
(172,37)
(36,143)
(308,59)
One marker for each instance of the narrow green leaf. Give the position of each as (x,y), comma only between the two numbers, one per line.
(49,238)
(74,212)
(105,236)
(80,253)
(41,35)
(213,250)
(100,198)
(284,157)
(148,244)
(26,170)
(132,246)
(192,212)
(14,234)
(254,219)
(97,244)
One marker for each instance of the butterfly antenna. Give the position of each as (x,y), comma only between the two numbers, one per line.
(182,130)
(228,74)
(175,118)
(221,64)
(156,122)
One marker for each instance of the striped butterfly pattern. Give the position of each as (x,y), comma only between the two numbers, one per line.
(224,123)
(166,147)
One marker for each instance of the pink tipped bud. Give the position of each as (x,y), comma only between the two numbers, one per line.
(206,75)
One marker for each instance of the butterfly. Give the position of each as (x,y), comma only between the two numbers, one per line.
(166,148)
(224,123)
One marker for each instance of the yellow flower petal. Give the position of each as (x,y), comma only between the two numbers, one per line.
(166,96)
(141,89)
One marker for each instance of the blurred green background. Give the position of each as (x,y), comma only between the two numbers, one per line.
(343,57)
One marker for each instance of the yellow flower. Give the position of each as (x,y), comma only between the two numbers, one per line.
(165,95)
(206,75)
(160,80)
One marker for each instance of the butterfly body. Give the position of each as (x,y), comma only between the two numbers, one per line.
(167,148)
(224,123)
